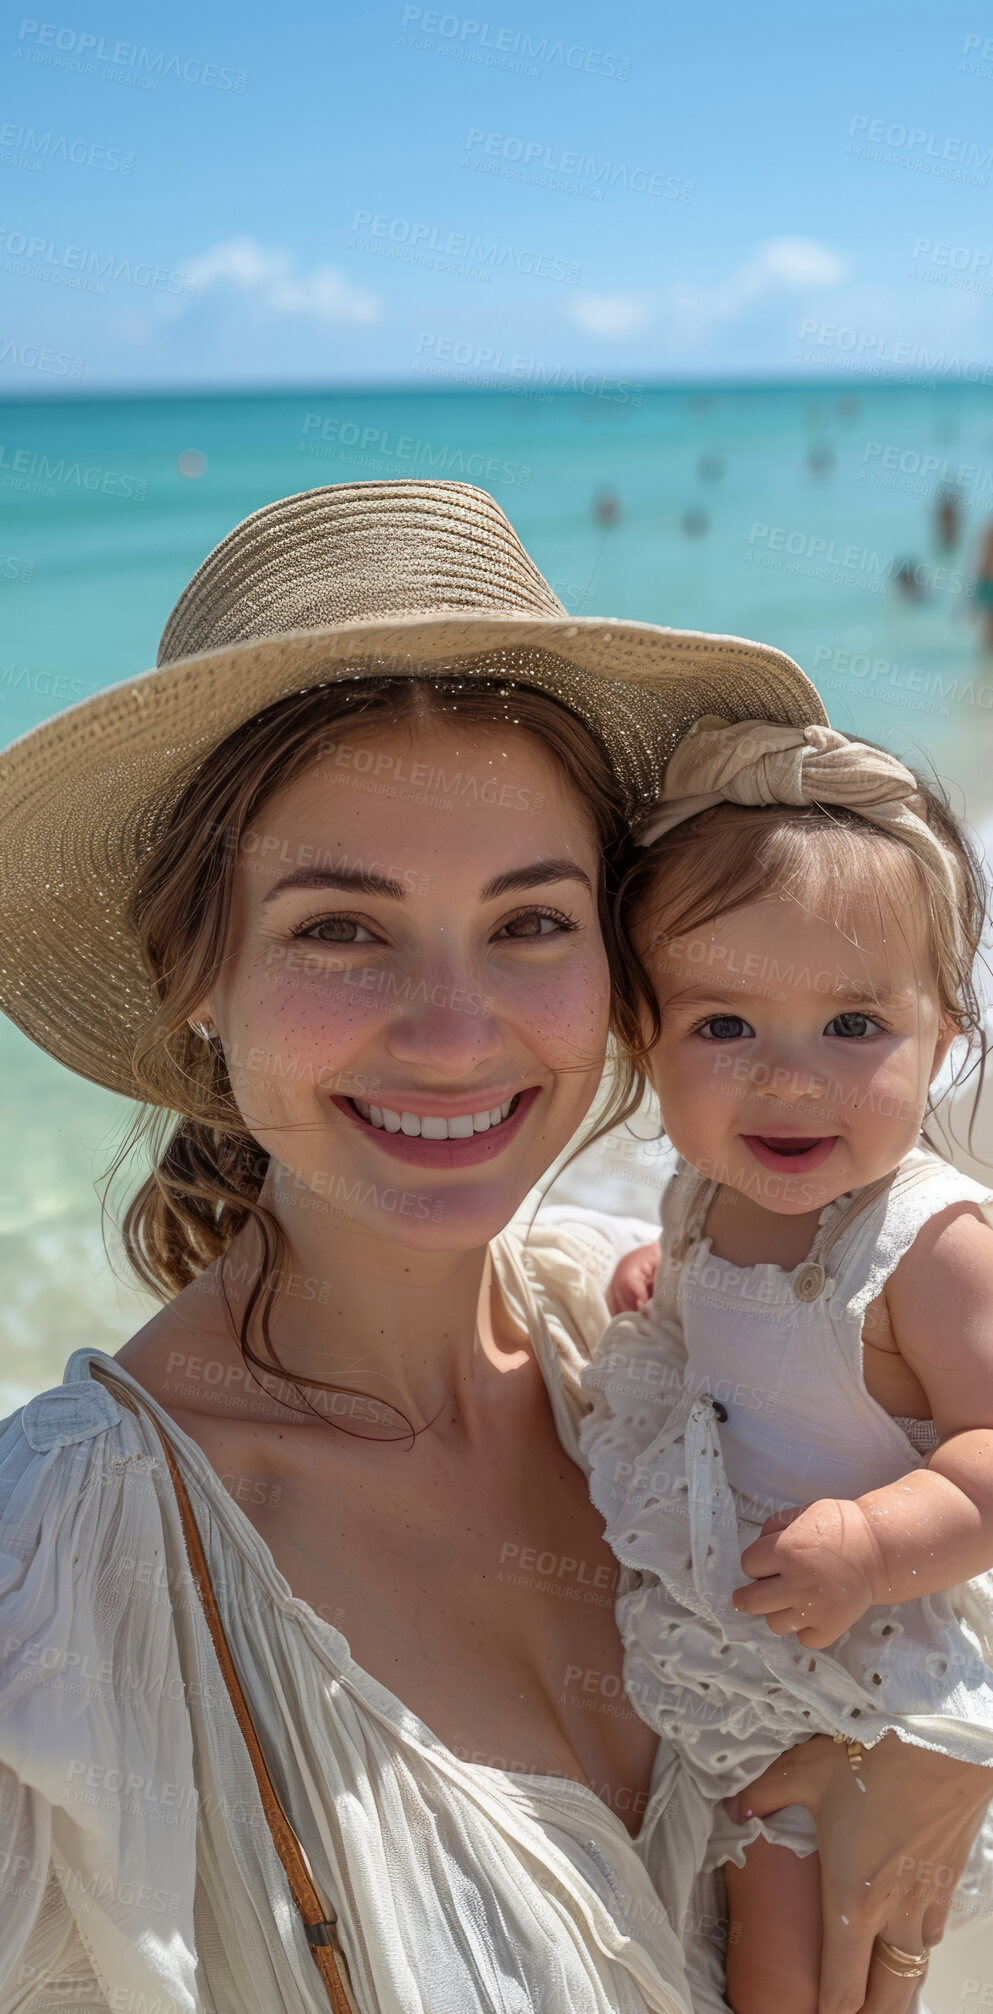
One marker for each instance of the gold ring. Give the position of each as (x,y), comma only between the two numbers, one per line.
(904,1964)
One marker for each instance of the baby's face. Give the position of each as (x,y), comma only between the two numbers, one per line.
(794,1063)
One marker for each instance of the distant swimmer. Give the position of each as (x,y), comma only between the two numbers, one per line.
(907,581)
(983,591)
(820,458)
(695,524)
(710,468)
(848,408)
(606,507)
(948,520)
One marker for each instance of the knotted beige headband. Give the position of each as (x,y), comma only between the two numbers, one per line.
(759,762)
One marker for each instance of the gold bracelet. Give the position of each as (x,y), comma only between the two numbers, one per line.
(854,1751)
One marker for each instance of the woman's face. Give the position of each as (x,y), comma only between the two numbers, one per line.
(414,1001)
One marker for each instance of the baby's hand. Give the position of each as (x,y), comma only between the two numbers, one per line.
(814,1570)
(633,1279)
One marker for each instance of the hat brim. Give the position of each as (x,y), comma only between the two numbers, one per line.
(84,795)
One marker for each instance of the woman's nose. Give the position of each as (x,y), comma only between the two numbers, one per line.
(444,1025)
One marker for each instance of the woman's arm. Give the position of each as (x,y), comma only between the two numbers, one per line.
(891,1853)
(816,1570)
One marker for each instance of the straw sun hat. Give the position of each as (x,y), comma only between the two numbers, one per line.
(356,579)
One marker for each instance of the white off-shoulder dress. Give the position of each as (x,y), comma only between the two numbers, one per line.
(137,1872)
(737,1393)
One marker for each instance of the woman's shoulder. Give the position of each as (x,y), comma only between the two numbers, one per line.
(77,1414)
(69,1459)
(76,1410)
(569,1253)
(81,1558)
(95,1705)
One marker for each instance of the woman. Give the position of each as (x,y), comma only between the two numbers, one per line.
(308,1646)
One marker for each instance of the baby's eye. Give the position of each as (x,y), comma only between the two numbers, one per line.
(724,1028)
(853,1027)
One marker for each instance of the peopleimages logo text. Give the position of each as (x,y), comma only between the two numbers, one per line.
(39,147)
(418,239)
(539,154)
(516,42)
(918,142)
(126,56)
(76,261)
(23,462)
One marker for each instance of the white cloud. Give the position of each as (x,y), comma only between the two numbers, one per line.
(689,311)
(781,266)
(609,314)
(239,260)
(323,293)
(801,262)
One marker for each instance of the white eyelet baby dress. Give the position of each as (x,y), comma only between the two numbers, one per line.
(739,1391)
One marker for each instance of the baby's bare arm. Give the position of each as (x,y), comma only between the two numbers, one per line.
(935,1527)
(820,1570)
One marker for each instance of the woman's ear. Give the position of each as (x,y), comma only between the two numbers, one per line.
(201,1021)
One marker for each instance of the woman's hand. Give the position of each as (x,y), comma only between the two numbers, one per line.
(891,1852)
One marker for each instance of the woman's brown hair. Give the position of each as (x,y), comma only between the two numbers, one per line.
(209,1170)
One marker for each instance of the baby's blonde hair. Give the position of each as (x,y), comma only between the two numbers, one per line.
(732,855)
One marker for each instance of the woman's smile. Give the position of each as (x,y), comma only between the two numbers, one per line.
(470,1133)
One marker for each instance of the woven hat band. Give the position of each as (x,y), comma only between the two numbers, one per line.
(355,551)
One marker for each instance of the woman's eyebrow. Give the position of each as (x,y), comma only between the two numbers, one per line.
(349,881)
(535,876)
(352,881)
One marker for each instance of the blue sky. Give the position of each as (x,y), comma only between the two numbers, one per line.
(390,194)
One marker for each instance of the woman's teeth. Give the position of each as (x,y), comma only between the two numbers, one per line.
(461,1128)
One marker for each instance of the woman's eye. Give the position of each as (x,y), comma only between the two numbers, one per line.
(853,1027)
(336,930)
(534,925)
(724,1028)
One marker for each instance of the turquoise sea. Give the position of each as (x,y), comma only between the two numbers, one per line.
(784,513)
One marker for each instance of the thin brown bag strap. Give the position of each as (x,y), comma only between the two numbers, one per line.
(321,1929)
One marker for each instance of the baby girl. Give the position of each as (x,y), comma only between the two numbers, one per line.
(792,1440)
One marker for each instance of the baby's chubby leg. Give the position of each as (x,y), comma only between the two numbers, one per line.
(774,1931)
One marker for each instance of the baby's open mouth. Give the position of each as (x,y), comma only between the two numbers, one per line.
(789,1147)
(799,1150)
(416,1127)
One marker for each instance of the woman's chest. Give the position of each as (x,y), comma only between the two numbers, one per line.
(482,1597)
